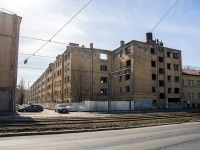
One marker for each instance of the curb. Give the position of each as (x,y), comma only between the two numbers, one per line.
(86,130)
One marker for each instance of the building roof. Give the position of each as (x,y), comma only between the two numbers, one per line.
(191,72)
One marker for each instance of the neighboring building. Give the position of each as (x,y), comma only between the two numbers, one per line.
(145,72)
(191,88)
(9,39)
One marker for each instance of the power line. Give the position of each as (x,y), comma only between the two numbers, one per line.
(37,55)
(163,17)
(31,68)
(57,32)
(42,40)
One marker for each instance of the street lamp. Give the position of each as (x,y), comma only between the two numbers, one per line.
(28,92)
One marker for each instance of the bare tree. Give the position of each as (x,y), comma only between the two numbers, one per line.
(187,67)
(80,83)
(21,91)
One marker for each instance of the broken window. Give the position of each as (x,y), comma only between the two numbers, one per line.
(152,51)
(160,59)
(103,67)
(103,56)
(153,63)
(103,91)
(161,83)
(176,79)
(103,79)
(169,90)
(169,78)
(127,49)
(128,63)
(153,89)
(161,70)
(168,66)
(176,90)
(175,67)
(127,89)
(168,54)
(153,76)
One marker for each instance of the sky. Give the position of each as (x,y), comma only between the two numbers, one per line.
(104,23)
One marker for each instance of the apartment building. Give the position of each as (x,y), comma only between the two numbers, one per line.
(191,88)
(78,74)
(155,73)
(9,39)
(145,72)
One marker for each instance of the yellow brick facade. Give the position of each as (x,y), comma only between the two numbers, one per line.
(155,74)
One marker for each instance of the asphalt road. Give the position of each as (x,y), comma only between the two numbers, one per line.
(169,137)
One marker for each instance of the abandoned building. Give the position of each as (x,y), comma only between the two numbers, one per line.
(144,72)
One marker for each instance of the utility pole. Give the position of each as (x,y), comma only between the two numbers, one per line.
(28,92)
(115,74)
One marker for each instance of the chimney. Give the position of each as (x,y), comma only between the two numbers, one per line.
(91,45)
(121,43)
(149,37)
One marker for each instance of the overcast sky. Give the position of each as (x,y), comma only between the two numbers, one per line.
(104,23)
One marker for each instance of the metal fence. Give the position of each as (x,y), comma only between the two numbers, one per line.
(101,106)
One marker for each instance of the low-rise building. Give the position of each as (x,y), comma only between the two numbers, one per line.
(191,88)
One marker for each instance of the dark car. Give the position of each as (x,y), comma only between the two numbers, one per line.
(31,108)
(61,108)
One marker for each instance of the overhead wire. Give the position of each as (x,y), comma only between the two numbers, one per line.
(38,55)
(57,32)
(163,17)
(43,40)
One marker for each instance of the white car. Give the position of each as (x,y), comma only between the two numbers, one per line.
(61,108)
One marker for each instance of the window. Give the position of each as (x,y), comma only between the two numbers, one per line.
(153,76)
(104,91)
(169,78)
(103,80)
(161,83)
(68,55)
(127,50)
(153,63)
(120,53)
(169,90)
(168,54)
(127,89)
(175,67)
(68,78)
(127,76)
(103,67)
(160,59)
(175,55)
(176,79)
(190,95)
(65,57)
(120,65)
(154,103)
(128,63)
(120,78)
(162,95)
(198,95)
(198,83)
(152,51)
(153,89)
(161,70)
(189,82)
(176,90)
(120,90)
(103,56)
(68,67)
(168,66)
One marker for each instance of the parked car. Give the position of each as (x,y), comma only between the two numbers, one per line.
(61,108)
(70,108)
(31,108)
